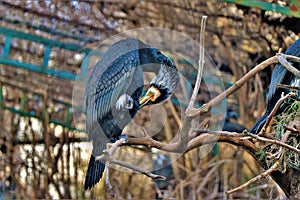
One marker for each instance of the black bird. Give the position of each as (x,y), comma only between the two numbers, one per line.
(162,166)
(230,125)
(283,76)
(113,94)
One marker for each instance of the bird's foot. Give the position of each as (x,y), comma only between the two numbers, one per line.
(121,137)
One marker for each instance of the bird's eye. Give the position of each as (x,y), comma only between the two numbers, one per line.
(158,53)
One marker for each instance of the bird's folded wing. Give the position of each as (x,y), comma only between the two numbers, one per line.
(100,97)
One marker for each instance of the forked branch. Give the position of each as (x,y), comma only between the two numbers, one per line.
(190,138)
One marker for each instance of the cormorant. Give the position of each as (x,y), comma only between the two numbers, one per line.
(162,166)
(113,94)
(230,125)
(283,76)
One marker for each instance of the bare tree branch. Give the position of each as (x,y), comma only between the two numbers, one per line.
(293,58)
(292,129)
(149,142)
(200,67)
(107,156)
(193,138)
(137,169)
(274,141)
(206,107)
(206,137)
(257,178)
(271,115)
(288,66)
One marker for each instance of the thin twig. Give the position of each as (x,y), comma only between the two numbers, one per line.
(273,112)
(208,175)
(287,86)
(150,142)
(107,156)
(115,145)
(187,121)
(112,149)
(288,66)
(200,67)
(277,142)
(292,129)
(257,178)
(202,139)
(290,57)
(204,130)
(206,107)
(277,154)
(157,191)
(137,169)
(273,60)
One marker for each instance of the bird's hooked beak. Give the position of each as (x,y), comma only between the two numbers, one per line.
(152,94)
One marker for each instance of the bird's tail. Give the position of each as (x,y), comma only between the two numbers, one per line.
(259,124)
(96,167)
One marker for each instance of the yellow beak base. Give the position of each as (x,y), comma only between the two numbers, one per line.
(152,94)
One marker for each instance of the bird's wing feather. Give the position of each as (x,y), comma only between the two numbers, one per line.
(101,96)
(116,50)
(279,73)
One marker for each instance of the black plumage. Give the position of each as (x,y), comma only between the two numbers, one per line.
(232,125)
(283,76)
(112,96)
(162,166)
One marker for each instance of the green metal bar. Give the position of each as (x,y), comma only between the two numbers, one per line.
(292,10)
(48,45)
(67,116)
(20,112)
(84,69)
(36,68)
(67,104)
(23,101)
(48,42)
(7,46)
(46,58)
(41,95)
(49,30)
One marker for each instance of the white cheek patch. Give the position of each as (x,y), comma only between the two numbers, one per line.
(124,102)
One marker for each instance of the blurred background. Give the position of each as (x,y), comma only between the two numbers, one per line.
(42,47)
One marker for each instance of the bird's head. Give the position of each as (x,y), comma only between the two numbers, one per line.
(165,80)
(151,56)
